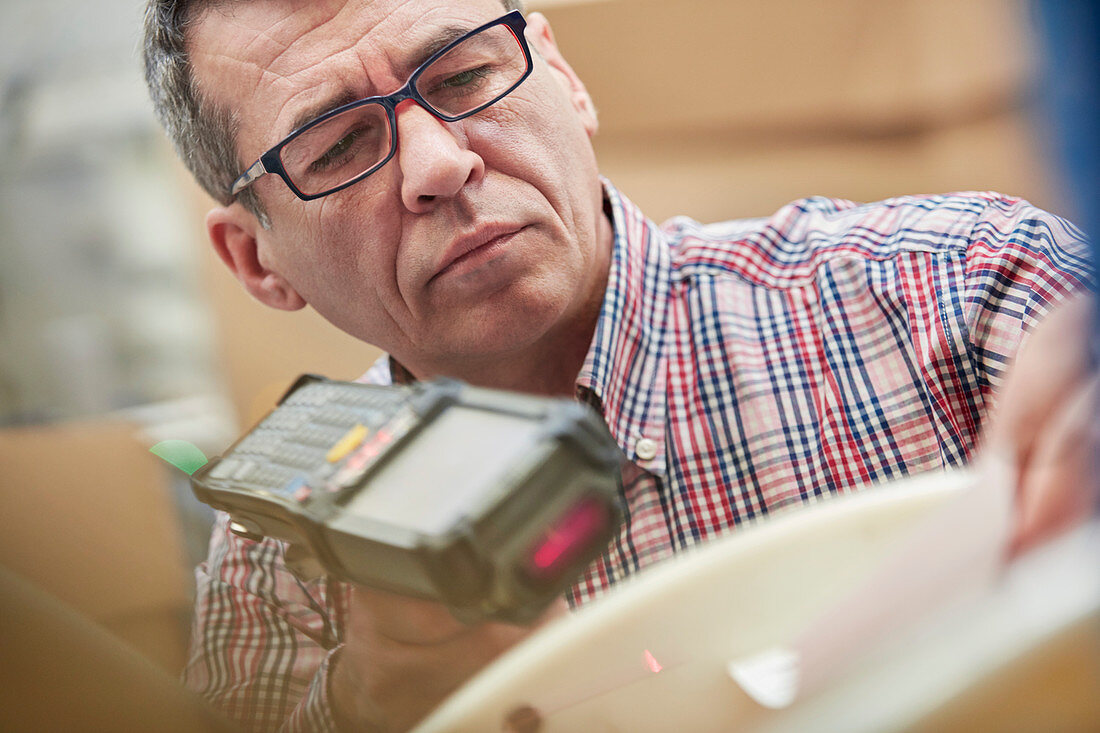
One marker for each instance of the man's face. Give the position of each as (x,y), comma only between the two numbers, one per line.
(478,240)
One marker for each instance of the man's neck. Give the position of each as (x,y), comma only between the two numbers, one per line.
(547,368)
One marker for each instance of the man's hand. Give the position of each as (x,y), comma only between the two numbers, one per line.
(403,655)
(1048,426)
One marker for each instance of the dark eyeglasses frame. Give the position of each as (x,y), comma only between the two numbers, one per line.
(269,162)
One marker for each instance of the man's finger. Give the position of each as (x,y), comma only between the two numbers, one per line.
(404,619)
(1059,483)
(1052,363)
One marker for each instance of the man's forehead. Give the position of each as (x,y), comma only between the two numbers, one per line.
(304,52)
(273,34)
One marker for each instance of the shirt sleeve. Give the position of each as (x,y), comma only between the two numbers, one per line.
(262,640)
(1020,263)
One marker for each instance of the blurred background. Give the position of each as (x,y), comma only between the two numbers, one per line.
(119,327)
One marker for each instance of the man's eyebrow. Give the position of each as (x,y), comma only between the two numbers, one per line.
(446,35)
(309,114)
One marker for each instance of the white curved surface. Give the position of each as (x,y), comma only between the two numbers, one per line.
(653,654)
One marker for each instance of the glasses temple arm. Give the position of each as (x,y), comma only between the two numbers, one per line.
(254,171)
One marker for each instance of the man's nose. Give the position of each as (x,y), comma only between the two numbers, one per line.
(434,164)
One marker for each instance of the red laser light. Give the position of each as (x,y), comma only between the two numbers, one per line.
(565,540)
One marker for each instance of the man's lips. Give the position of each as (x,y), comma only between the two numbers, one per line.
(468,246)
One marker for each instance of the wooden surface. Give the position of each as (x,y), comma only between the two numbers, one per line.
(88,518)
(1055,687)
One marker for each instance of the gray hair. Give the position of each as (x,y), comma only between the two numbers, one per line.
(203,133)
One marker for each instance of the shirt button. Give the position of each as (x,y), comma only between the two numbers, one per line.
(646,449)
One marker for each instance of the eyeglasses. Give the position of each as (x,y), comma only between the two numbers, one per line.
(349,143)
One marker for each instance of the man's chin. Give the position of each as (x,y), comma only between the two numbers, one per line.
(491,342)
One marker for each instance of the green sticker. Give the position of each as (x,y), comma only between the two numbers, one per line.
(183,455)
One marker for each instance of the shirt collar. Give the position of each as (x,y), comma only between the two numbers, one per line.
(398,373)
(626,366)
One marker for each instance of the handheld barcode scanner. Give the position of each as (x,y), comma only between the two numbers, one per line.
(489,502)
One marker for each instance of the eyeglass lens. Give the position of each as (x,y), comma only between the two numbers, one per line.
(473,74)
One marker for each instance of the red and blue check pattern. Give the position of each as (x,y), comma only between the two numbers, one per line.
(743,367)
(773,361)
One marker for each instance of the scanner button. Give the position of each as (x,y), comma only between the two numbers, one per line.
(244,471)
(224,469)
(347,444)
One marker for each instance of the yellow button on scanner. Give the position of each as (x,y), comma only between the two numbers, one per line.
(347,444)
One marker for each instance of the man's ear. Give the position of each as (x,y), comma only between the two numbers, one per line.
(541,37)
(234,232)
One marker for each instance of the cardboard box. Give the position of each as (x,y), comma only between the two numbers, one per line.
(88,517)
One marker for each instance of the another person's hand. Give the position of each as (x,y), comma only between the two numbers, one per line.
(403,655)
(1048,425)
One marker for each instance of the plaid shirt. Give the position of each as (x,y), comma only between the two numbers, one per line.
(742,367)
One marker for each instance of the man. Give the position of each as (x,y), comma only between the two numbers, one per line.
(459,223)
